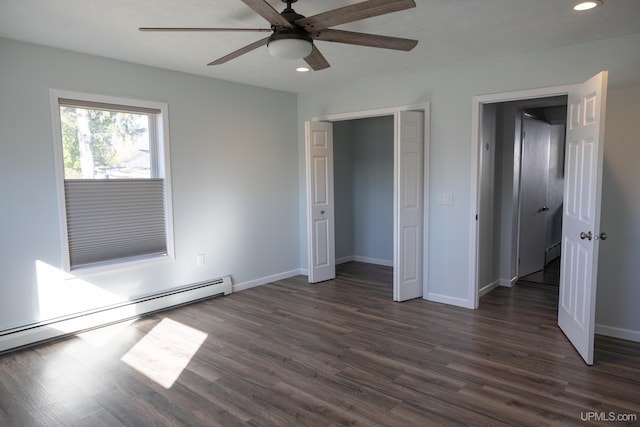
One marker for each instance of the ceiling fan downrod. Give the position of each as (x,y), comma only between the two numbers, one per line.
(289,14)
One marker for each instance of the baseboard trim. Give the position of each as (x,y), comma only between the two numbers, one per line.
(446,299)
(488,288)
(376,261)
(368,260)
(267,279)
(611,331)
(505,283)
(344,259)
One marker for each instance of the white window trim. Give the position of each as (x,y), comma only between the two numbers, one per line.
(164,171)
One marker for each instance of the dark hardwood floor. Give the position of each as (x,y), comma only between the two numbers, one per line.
(336,353)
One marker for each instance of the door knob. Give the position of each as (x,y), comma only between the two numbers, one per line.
(587,236)
(601,236)
(544,209)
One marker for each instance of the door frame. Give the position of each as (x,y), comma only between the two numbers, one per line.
(393,111)
(478,102)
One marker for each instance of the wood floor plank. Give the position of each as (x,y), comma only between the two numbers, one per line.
(335,353)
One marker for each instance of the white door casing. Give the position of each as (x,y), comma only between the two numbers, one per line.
(408,205)
(320,203)
(536,138)
(321,251)
(581,213)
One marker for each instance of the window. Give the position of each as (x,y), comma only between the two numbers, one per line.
(113,171)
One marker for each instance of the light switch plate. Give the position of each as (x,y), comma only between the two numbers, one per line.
(444,199)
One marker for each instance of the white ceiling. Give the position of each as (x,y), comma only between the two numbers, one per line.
(449,32)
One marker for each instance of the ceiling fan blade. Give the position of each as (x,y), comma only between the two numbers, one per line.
(363,39)
(240,52)
(316,61)
(354,12)
(261,30)
(264,9)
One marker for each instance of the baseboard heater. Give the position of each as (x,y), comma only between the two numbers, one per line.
(552,252)
(12,339)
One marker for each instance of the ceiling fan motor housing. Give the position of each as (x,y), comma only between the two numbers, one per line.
(292,40)
(282,33)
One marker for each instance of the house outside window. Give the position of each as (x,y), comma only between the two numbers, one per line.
(114,187)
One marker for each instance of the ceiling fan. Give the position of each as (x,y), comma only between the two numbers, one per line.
(292,34)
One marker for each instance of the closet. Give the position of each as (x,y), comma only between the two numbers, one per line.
(363,190)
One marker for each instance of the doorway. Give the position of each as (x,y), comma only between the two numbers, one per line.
(581,233)
(521,189)
(410,154)
(363,190)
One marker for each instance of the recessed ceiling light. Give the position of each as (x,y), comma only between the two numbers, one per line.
(302,69)
(586,5)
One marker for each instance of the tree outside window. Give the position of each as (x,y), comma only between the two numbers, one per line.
(103,144)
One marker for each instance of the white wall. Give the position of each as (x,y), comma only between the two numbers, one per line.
(234,166)
(450,91)
(619,268)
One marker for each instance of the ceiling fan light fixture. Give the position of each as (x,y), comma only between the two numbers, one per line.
(290,45)
(587,5)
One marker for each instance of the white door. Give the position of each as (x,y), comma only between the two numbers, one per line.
(581,213)
(536,140)
(320,208)
(408,212)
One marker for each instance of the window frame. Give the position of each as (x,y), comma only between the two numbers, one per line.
(160,168)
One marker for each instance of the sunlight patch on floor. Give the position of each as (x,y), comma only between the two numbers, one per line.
(164,352)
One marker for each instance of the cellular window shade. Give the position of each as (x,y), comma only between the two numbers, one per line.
(109,220)
(78,103)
